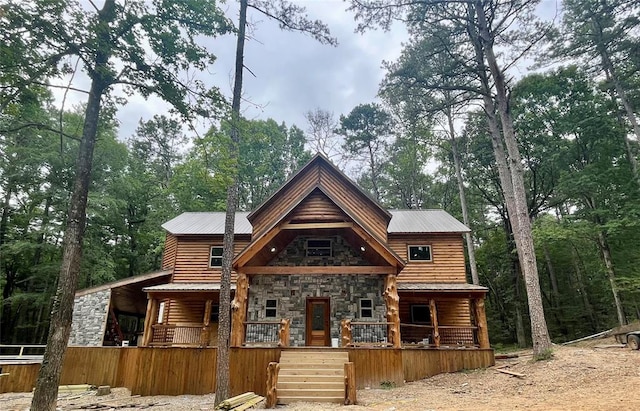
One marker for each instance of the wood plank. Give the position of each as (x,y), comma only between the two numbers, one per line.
(319,270)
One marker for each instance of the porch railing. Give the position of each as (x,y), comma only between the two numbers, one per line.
(191,334)
(364,333)
(443,335)
(269,333)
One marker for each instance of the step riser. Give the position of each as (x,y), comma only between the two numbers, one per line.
(311,393)
(287,379)
(311,376)
(312,365)
(287,400)
(310,385)
(311,371)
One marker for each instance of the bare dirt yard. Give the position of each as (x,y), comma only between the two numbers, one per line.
(578,377)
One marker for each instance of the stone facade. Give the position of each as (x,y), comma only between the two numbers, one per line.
(291,292)
(90,318)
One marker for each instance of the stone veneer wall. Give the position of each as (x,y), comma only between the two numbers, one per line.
(291,292)
(89,319)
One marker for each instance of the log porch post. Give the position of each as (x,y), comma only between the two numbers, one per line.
(239,310)
(433,311)
(345,332)
(150,319)
(284,332)
(392,300)
(206,321)
(481,322)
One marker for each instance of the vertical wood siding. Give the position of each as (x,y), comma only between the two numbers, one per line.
(447,254)
(178,371)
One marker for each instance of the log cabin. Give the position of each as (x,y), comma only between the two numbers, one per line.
(318,264)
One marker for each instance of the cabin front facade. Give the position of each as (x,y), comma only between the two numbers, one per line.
(319,264)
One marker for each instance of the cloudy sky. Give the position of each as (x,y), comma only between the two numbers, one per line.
(293,72)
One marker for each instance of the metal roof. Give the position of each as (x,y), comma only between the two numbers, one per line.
(186,287)
(424,221)
(453,287)
(206,223)
(402,221)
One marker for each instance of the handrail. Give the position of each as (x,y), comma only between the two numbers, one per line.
(21,347)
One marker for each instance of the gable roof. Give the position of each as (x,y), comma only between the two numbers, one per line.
(319,159)
(402,222)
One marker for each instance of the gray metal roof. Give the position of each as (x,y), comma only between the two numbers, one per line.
(186,287)
(206,223)
(402,221)
(424,221)
(452,287)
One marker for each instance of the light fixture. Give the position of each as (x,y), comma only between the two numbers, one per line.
(273,249)
(362,248)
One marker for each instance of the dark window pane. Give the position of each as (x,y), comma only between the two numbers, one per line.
(317,322)
(420,253)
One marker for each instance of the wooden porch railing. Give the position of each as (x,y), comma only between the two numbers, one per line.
(364,333)
(442,335)
(267,333)
(186,334)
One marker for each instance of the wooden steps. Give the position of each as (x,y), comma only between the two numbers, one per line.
(311,376)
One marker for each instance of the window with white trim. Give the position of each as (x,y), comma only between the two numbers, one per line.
(366,308)
(319,248)
(271,309)
(419,252)
(215,256)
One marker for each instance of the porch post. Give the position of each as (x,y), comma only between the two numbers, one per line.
(239,310)
(434,321)
(150,319)
(481,322)
(345,332)
(392,300)
(206,321)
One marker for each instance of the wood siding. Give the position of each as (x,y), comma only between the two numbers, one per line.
(185,311)
(451,311)
(286,199)
(317,207)
(356,203)
(192,260)
(178,371)
(169,253)
(447,263)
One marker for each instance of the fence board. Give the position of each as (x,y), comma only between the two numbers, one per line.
(176,371)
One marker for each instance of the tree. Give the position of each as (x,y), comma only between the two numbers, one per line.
(290,17)
(323,139)
(109,42)
(366,130)
(483,25)
(601,34)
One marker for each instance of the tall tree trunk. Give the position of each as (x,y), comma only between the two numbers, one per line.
(522,230)
(224,327)
(582,289)
(463,199)
(603,244)
(46,390)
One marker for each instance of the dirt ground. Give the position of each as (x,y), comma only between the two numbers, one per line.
(579,377)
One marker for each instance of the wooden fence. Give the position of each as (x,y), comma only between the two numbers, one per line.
(176,371)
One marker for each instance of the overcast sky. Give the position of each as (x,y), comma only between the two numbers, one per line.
(293,72)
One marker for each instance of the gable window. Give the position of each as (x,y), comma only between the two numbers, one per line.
(420,314)
(366,308)
(271,309)
(215,258)
(318,248)
(419,252)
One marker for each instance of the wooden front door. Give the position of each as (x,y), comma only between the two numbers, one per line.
(318,330)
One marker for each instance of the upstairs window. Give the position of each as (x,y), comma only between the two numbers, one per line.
(215,313)
(318,248)
(215,258)
(271,309)
(419,253)
(366,308)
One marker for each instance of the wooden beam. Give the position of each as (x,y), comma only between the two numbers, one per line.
(481,322)
(150,319)
(310,226)
(206,320)
(239,310)
(433,311)
(312,270)
(392,300)
(375,244)
(272,381)
(349,383)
